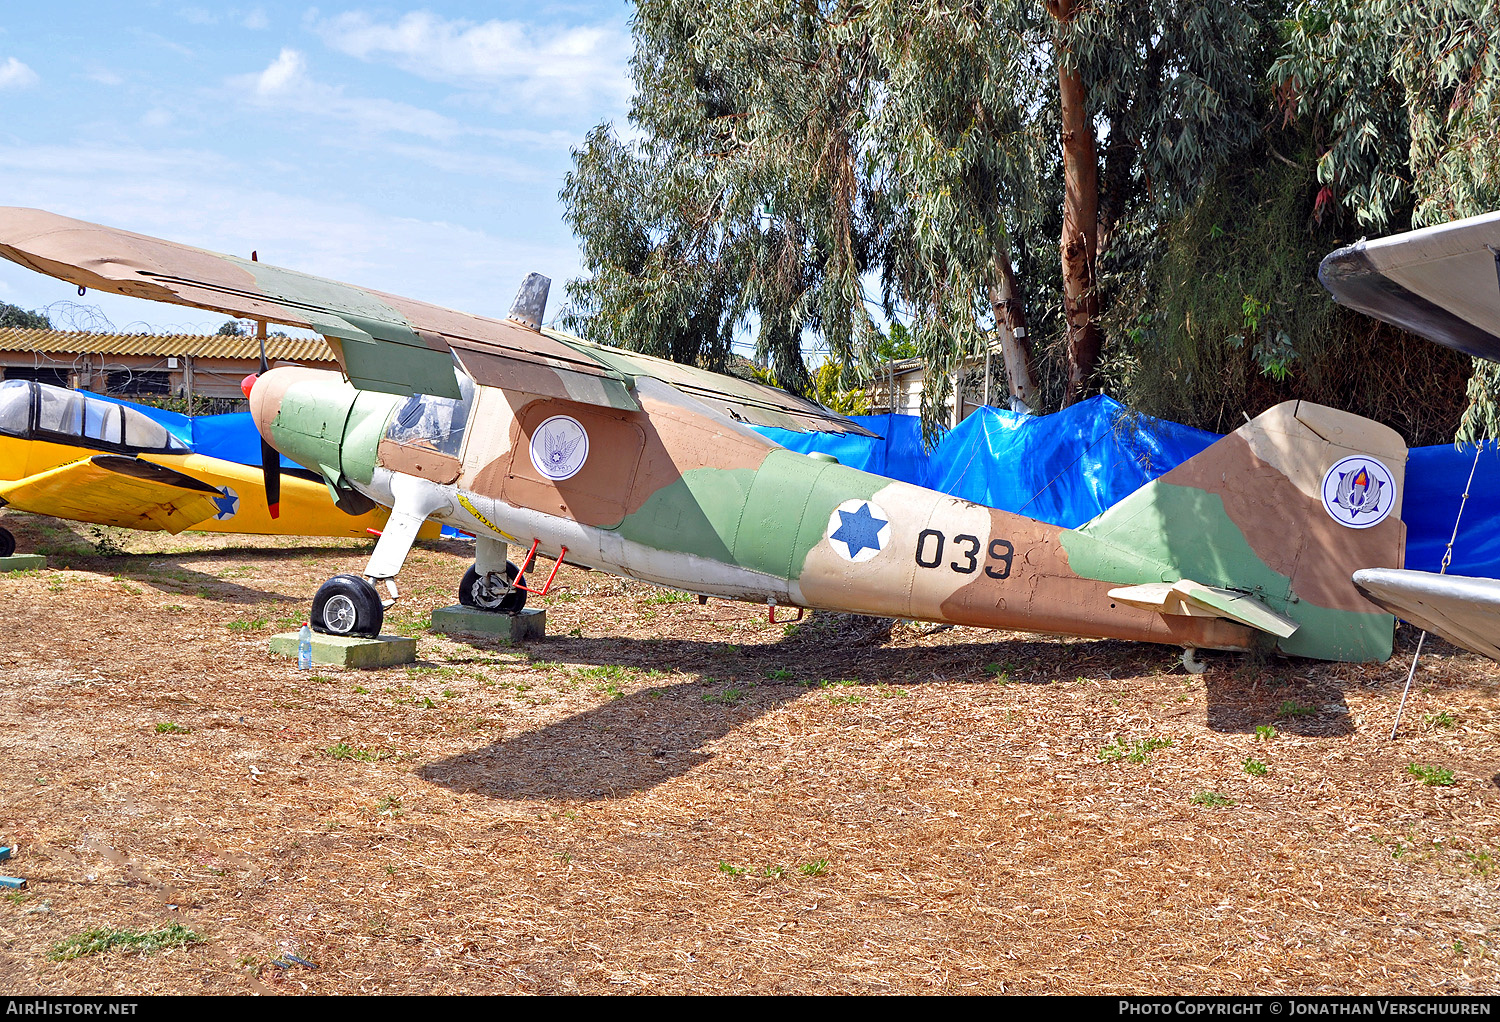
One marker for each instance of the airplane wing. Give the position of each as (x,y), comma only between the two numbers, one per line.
(111,489)
(1440,282)
(384,342)
(1462,610)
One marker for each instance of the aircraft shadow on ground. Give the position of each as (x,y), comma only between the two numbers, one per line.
(635,742)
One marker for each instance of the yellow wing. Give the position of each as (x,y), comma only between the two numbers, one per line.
(111,489)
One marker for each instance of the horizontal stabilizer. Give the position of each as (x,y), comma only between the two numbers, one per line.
(1189,599)
(1463,610)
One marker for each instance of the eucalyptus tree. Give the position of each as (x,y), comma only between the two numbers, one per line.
(784,154)
(1404,96)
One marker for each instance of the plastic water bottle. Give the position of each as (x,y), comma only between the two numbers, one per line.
(304,648)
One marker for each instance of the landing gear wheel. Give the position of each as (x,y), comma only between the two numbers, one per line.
(7,543)
(472,592)
(347,605)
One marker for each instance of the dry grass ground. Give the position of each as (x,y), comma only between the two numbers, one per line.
(667,797)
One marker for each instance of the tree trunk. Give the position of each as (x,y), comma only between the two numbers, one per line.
(1015,345)
(1080,233)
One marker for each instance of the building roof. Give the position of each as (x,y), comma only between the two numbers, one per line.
(288,349)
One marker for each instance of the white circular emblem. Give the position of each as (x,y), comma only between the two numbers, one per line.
(1359,492)
(227,502)
(858,530)
(559,447)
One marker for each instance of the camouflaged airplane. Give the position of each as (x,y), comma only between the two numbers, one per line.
(651,470)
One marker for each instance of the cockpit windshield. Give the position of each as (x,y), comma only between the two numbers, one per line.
(15,407)
(434,423)
(38,411)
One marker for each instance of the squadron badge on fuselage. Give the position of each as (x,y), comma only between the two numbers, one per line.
(559,447)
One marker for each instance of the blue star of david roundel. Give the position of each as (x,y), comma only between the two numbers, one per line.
(559,447)
(858,530)
(227,502)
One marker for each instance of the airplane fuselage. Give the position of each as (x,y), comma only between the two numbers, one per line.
(677,495)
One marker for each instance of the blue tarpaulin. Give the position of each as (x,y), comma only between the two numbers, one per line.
(1068,467)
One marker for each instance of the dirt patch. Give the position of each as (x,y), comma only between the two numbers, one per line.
(667,797)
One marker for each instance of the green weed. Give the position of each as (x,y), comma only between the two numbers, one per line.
(1434,721)
(98,941)
(1255,768)
(1137,752)
(251,625)
(816,868)
(728,697)
(1292,708)
(1264,732)
(1212,799)
(1431,776)
(725,867)
(780,674)
(343,750)
(167,727)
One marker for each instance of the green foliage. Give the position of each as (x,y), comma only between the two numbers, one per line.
(788,153)
(1212,800)
(1256,768)
(168,727)
(1431,776)
(1132,752)
(1404,99)
(15,316)
(97,941)
(1264,732)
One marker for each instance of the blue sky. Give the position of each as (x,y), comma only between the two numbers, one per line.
(417,150)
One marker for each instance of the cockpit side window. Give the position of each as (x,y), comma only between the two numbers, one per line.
(59,411)
(15,407)
(102,421)
(91,421)
(434,423)
(145,433)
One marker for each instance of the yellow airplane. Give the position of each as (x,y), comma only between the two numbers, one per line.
(74,456)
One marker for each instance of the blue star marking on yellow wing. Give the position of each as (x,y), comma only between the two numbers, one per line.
(228,502)
(859,529)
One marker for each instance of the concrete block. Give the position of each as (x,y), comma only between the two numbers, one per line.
(527,626)
(343,651)
(23,562)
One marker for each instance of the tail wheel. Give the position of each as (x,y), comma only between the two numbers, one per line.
(7,543)
(347,605)
(474,592)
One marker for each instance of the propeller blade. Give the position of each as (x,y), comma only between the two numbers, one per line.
(270,468)
(270,457)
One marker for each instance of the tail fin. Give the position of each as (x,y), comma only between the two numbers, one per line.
(1285,509)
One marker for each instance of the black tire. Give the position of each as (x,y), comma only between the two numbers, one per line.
(471,594)
(347,605)
(7,543)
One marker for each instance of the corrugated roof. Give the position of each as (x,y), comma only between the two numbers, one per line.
(79,342)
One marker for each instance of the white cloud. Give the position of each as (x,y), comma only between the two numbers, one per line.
(16,75)
(544,68)
(205,199)
(286,85)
